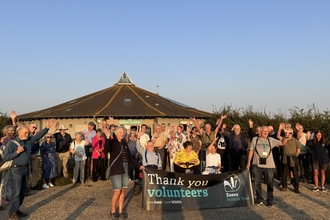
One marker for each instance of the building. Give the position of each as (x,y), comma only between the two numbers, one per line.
(128,104)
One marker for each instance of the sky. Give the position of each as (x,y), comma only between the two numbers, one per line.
(271,55)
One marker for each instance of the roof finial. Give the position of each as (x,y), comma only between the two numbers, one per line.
(124,79)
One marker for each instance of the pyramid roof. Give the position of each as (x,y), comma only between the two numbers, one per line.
(122,100)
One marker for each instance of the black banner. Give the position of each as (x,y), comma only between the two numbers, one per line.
(176,191)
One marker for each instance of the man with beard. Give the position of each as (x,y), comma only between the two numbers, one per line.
(21,156)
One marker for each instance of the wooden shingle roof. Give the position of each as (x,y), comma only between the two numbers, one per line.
(122,100)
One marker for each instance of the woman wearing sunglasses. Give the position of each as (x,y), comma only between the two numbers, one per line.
(48,167)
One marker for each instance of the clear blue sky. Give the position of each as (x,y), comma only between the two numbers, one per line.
(273,55)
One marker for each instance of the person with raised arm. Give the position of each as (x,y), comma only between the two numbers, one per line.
(291,150)
(20,153)
(263,163)
(120,158)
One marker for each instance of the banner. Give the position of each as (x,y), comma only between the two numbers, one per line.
(176,191)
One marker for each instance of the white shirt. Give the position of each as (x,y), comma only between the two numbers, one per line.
(144,140)
(80,148)
(184,139)
(303,139)
(213,160)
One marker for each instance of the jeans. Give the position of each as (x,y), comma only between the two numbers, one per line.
(18,187)
(5,185)
(269,177)
(79,168)
(120,181)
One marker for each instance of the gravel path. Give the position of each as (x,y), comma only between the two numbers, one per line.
(92,201)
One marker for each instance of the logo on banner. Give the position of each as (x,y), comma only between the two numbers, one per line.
(232,183)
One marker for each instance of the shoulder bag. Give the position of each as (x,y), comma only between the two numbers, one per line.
(107,172)
(71,161)
(4,166)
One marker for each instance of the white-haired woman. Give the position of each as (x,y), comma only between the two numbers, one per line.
(78,149)
(173,147)
(120,158)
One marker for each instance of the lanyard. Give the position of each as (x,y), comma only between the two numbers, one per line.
(264,143)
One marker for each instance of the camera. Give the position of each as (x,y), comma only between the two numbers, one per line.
(262,161)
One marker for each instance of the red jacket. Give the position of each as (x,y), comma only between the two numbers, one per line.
(96,147)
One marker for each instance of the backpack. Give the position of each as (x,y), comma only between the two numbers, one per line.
(221,143)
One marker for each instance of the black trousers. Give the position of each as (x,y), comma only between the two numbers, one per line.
(98,169)
(294,169)
(277,160)
(88,151)
(133,172)
(238,159)
(304,161)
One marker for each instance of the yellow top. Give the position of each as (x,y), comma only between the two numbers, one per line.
(182,157)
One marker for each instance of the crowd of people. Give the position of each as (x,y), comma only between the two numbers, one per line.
(187,148)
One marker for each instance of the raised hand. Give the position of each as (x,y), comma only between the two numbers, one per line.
(50,122)
(223,116)
(57,126)
(193,119)
(282,126)
(250,123)
(13,115)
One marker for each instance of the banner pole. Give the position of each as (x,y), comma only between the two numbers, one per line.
(251,189)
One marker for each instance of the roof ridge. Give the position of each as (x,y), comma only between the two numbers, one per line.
(192,109)
(76,103)
(162,113)
(109,101)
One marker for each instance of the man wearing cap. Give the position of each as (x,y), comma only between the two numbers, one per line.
(63,141)
(291,151)
(20,154)
(90,132)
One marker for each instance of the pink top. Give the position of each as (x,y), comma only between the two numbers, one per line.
(96,147)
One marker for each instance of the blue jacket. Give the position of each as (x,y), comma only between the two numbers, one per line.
(24,157)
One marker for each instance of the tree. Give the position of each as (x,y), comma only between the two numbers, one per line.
(4,120)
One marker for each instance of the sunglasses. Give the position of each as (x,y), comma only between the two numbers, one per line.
(34,127)
(288,132)
(48,137)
